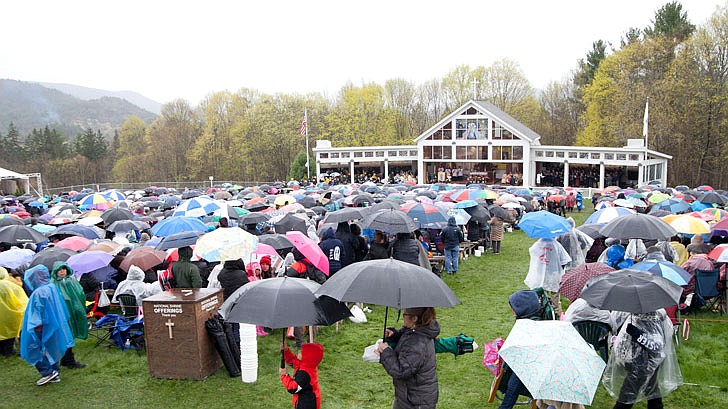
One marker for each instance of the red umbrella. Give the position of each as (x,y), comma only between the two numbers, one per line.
(556,198)
(310,250)
(75,243)
(143,257)
(573,281)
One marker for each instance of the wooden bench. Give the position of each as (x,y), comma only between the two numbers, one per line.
(437,261)
(467,248)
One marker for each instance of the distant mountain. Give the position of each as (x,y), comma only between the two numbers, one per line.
(31,105)
(88,94)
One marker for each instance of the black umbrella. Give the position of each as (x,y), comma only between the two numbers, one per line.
(253,218)
(630,290)
(124,226)
(50,255)
(10,221)
(391,283)
(592,230)
(712,198)
(497,211)
(290,222)
(282,302)
(659,213)
(190,194)
(638,226)
(256,207)
(277,241)
(16,234)
(478,213)
(171,202)
(390,221)
(77,229)
(319,210)
(177,240)
(307,202)
(363,198)
(114,214)
(346,214)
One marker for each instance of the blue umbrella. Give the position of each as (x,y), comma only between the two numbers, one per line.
(84,231)
(665,269)
(465,204)
(698,206)
(425,214)
(608,214)
(196,207)
(37,204)
(543,225)
(673,206)
(179,224)
(177,240)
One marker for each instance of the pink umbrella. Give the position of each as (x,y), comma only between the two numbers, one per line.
(309,249)
(75,243)
(265,249)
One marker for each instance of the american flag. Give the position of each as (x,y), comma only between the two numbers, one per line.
(303,125)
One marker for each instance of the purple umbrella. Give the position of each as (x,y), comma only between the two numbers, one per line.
(88,261)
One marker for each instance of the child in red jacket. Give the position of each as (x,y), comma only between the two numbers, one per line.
(304,384)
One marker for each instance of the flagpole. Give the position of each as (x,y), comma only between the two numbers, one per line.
(645,134)
(308,163)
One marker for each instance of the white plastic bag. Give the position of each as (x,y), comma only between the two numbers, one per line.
(103,298)
(369,353)
(358,316)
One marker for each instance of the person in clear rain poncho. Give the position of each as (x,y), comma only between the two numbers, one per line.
(643,364)
(577,244)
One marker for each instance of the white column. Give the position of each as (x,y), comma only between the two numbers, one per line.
(601,175)
(566,173)
(318,169)
(351,170)
(385,179)
(420,165)
(664,173)
(528,167)
(640,175)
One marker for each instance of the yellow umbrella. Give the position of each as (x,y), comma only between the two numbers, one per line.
(283,200)
(689,225)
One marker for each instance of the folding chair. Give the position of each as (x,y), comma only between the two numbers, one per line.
(118,331)
(597,334)
(129,307)
(706,287)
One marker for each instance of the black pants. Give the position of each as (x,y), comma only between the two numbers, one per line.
(496,247)
(651,404)
(6,347)
(68,358)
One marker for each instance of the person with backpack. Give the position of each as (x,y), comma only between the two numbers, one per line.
(332,248)
(452,236)
(303,268)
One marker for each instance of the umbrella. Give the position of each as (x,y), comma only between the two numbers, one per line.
(116,213)
(712,198)
(461,216)
(346,214)
(124,226)
(719,254)
(556,364)
(108,246)
(391,283)
(196,207)
(16,257)
(290,222)
(50,255)
(423,214)
(608,214)
(638,226)
(172,225)
(632,291)
(666,269)
(390,221)
(177,240)
(307,202)
(718,214)
(143,257)
(479,214)
(88,261)
(80,230)
(5,220)
(592,230)
(17,234)
(226,244)
(543,225)
(95,201)
(90,221)
(658,197)
(572,282)
(497,211)
(466,204)
(689,225)
(672,205)
(253,218)
(277,241)
(74,243)
(310,250)
(283,200)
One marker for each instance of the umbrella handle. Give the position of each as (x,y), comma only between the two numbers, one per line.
(384,332)
(283,341)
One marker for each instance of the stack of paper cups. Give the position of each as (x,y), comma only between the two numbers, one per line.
(482,249)
(477,253)
(248,353)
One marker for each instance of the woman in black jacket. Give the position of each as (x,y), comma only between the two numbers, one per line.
(411,363)
(232,276)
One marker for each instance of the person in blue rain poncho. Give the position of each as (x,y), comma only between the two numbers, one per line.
(45,335)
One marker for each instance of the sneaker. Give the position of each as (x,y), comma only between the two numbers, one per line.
(48,378)
(56,379)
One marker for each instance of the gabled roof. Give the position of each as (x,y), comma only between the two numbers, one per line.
(9,174)
(518,129)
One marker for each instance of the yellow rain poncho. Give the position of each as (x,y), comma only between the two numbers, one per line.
(12,306)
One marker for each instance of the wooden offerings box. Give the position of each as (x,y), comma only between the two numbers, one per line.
(178,345)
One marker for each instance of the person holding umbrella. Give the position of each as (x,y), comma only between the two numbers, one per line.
(411,362)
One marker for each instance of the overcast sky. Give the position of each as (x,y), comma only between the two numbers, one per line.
(188,49)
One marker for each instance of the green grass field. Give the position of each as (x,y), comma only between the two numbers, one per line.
(121,379)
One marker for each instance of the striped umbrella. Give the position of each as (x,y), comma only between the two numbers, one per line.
(196,207)
(673,206)
(689,225)
(718,214)
(608,214)
(95,201)
(665,269)
(174,225)
(423,214)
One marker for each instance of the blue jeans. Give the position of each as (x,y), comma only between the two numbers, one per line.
(451,259)
(45,368)
(511,397)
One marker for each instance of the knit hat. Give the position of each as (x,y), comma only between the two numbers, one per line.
(265,260)
(524,303)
